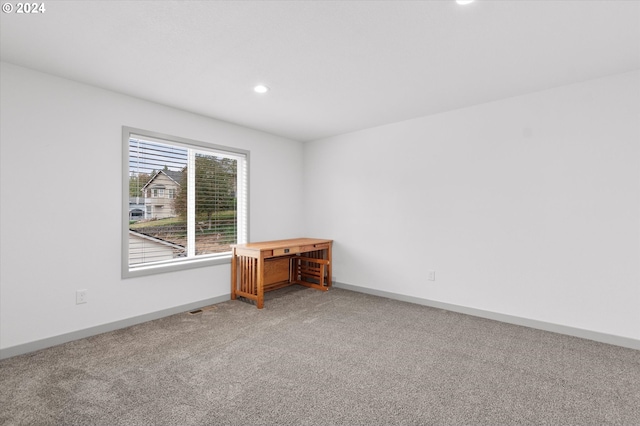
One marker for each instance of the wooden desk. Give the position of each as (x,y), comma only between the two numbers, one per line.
(264,266)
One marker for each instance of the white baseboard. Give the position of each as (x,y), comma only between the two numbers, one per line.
(92,331)
(526,322)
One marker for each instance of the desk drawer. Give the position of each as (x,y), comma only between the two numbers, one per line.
(293,250)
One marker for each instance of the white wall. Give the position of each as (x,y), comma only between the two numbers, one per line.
(60,204)
(527,207)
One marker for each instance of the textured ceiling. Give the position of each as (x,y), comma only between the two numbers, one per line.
(333,66)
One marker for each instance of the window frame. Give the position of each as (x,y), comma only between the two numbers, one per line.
(182,263)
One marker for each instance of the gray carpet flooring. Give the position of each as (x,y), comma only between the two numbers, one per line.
(323,358)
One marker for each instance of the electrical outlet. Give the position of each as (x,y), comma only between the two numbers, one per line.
(81,296)
(431,275)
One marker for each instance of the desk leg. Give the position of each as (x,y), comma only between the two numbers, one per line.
(234,274)
(260,299)
(329,279)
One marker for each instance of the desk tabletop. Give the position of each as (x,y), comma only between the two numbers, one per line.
(270,245)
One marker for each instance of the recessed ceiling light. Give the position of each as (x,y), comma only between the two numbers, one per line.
(464,1)
(261,88)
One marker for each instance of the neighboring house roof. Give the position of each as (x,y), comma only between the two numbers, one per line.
(171,174)
(157,240)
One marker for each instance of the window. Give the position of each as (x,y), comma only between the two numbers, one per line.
(195,197)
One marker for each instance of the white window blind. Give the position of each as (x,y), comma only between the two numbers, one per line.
(186,202)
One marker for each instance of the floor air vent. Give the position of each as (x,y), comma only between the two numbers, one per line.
(201,310)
